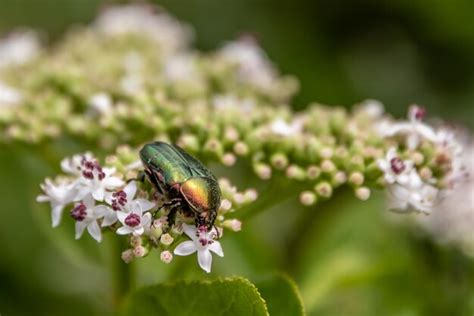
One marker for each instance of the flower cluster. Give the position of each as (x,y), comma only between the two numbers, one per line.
(423,165)
(98,198)
(132,77)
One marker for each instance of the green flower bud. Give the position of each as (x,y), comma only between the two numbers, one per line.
(308,198)
(279,161)
(295,172)
(323,189)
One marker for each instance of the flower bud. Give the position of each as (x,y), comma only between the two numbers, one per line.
(233,224)
(140,251)
(326,152)
(231,134)
(313,172)
(250,195)
(356,178)
(213,147)
(241,149)
(279,161)
(166,256)
(328,166)
(263,171)
(323,189)
(295,172)
(135,241)
(339,178)
(356,163)
(128,256)
(166,239)
(426,173)
(229,159)
(362,193)
(226,205)
(307,198)
(417,158)
(239,198)
(189,142)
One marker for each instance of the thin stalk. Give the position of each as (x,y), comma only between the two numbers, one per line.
(122,273)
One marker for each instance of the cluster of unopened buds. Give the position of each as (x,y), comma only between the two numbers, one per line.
(99,199)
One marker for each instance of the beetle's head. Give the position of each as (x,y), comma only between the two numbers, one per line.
(205,220)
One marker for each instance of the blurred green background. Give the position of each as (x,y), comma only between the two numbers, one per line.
(345,256)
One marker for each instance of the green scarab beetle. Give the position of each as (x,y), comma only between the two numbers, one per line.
(184,181)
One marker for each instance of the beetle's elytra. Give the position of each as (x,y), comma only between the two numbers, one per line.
(184,181)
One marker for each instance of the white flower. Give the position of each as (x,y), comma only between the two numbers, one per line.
(124,201)
(229,101)
(74,165)
(282,128)
(59,195)
(452,220)
(9,96)
(18,48)
(395,169)
(374,109)
(134,222)
(420,198)
(253,64)
(202,242)
(95,180)
(86,214)
(181,67)
(101,103)
(143,21)
(415,130)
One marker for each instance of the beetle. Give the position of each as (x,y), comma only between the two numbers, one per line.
(184,181)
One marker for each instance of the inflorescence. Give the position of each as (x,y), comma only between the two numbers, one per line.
(132,77)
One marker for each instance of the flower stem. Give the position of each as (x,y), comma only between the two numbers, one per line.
(122,273)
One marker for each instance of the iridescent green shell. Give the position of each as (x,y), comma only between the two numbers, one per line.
(174,166)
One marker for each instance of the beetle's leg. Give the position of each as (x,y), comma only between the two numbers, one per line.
(217,231)
(171,202)
(172,215)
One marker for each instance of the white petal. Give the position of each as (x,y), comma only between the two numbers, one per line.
(109,219)
(124,230)
(190,230)
(383,164)
(99,193)
(81,193)
(216,248)
(80,226)
(389,178)
(412,141)
(88,201)
(130,189)
(113,182)
(138,231)
(205,260)
(101,211)
(391,153)
(42,198)
(185,248)
(145,204)
(122,216)
(108,197)
(56,214)
(146,220)
(94,230)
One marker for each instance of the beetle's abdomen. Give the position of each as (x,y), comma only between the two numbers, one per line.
(201,193)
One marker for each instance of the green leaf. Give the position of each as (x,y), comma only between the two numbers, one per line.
(282,296)
(229,296)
